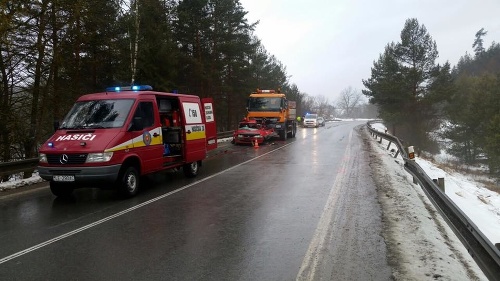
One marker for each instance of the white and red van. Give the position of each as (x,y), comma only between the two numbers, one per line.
(111,139)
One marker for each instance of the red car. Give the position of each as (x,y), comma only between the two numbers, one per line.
(250,131)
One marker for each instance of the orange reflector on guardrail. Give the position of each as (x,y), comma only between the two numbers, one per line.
(411,153)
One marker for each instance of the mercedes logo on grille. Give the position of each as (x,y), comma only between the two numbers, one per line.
(64,159)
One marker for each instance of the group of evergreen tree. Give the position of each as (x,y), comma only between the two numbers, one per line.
(53,51)
(420,99)
(473,108)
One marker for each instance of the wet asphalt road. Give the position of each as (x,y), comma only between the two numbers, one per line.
(301,209)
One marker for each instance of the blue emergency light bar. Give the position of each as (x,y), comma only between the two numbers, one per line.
(134,88)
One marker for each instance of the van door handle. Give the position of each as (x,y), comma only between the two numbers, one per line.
(189,132)
(156,135)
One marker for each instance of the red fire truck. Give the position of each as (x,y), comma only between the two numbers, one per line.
(111,139)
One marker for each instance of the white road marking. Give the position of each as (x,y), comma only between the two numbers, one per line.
(310,262)
(88,226)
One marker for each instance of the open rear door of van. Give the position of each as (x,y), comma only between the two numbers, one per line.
(210,126)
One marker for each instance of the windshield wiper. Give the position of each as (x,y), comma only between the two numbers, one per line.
(91,126)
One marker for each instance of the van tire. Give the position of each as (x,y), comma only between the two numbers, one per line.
(190,169)
(128,182)
(61,190)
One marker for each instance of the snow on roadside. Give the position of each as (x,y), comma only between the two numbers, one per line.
(480,204)
(420,244)
(17,181)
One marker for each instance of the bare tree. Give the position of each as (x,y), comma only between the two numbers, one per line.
(321,105)
(331,112)
(349,99)
(307,103)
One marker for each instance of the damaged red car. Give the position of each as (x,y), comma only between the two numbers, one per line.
(250,131)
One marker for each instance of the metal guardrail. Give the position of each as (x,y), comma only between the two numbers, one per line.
(226,134)
(28,165)
(486,255)
(14,167)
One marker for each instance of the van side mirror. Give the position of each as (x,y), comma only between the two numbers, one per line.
(136,124)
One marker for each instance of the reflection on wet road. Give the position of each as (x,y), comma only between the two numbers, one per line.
(301,209)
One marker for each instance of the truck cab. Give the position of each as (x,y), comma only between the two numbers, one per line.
(111,139)
(273,110)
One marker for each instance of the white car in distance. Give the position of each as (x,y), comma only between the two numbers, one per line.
(311,120)
(321,121)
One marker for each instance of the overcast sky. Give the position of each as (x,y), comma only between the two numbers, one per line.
(329,45)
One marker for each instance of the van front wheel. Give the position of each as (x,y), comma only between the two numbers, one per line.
(191,169)
(128,182)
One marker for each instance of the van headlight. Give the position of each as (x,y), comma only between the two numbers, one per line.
(42,158)
(99,157)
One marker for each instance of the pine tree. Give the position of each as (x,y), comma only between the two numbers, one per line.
(157,56)
(492,147)
(402,84)
(386,88)
(478,42)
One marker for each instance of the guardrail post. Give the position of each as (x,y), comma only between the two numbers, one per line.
(380,141)
(397,153)
(388,145)
(440,183)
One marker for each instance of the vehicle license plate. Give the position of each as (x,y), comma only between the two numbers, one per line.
(64,178)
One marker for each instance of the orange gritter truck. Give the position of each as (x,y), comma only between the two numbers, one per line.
(272,109)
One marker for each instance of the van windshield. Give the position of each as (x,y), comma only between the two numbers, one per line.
(97,114)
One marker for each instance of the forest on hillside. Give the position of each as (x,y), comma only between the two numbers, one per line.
(54,51)
(425,103)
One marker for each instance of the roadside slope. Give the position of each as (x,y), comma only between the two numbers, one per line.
(420,244)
